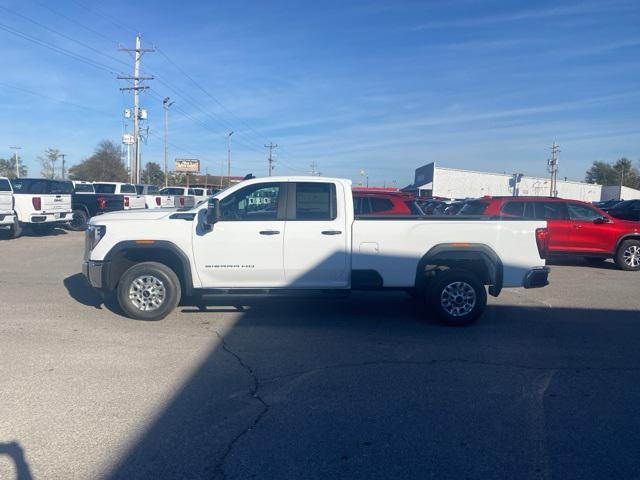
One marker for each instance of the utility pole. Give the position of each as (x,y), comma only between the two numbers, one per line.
(621,181)
(137,55)
(364,174)
(229,158)
(17,158)
(553,169)
(314,169)
(271,146)
(63,171)
(166,104)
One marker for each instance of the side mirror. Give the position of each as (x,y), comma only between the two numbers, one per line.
(212,215)
(601,220)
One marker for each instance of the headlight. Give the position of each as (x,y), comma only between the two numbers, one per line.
(95,234)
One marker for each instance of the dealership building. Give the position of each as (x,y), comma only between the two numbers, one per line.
(434,181)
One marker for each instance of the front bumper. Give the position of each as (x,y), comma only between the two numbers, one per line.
(95,273)
(7,219)
(536,278)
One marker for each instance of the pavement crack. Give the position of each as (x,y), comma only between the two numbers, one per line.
(218,470)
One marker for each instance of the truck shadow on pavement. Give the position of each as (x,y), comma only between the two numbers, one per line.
(14,451)
(363,388)
(80,290)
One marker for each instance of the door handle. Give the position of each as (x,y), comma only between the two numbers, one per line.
(270,232)
(331,232)
(577,226)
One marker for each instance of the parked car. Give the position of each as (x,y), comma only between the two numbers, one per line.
(40,203)
(86,203)
(153,198)
(132,201)
(306,239)
(626,210)
(181,197)
(381,203)
(7,216)
(575,228)
(606,204)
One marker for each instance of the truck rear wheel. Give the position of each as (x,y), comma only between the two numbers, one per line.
(79,219)
(149,291)
(16,229)
(628,255)
(457,296)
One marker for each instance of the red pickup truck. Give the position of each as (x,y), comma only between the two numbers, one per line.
(575,228)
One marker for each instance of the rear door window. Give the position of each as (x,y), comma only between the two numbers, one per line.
(361,206)
(550,211)
(5,186)
(513,209)
(380,204)
(315,201)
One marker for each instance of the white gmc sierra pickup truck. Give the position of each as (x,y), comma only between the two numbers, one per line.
(293,234)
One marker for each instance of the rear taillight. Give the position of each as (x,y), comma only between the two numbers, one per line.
(37,203)
(542,240)
(182,201)
(102,203)
(126,201)
(158,201)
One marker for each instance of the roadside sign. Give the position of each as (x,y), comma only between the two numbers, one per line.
(187,165)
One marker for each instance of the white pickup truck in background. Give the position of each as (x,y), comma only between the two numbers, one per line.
(182,197)
(41,203)
(153,198)
(132,200)
(298,234)
(7,215)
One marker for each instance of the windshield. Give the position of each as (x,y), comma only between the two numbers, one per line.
(473,208)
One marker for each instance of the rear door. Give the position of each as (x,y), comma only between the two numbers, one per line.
(6,197)
(558,223)
(316,237)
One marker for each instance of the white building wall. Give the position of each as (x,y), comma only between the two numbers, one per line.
(612,192)
(452,183)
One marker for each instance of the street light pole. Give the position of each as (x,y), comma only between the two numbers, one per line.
(229,158)
(166,104)
(17,159)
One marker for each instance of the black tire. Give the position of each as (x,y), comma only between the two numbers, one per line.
(469,301)
(628,255)
(16,229)
(153,272)
(79,220)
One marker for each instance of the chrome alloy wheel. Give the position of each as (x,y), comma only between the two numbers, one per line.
(458,299)
(632,256)
(147,293)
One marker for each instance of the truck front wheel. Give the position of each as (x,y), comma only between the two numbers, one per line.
(457,296)
(148,291)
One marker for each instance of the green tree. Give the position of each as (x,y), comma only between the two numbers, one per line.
(8,168)
(48,162)
(152,174)
(105,165)
(606,173)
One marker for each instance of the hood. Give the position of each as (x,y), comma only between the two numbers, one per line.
(134,215)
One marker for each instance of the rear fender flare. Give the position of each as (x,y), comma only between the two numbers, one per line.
(455,255)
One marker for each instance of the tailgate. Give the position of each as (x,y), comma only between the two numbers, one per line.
(55,203)
(113,203)
(181,201)
(166,201)
(136,201)
(6,202)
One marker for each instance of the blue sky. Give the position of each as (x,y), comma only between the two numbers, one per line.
(383,86)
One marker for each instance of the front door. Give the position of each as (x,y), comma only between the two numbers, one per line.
(317,238)
(245,248)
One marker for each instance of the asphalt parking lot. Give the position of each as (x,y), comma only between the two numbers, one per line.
(544,386)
